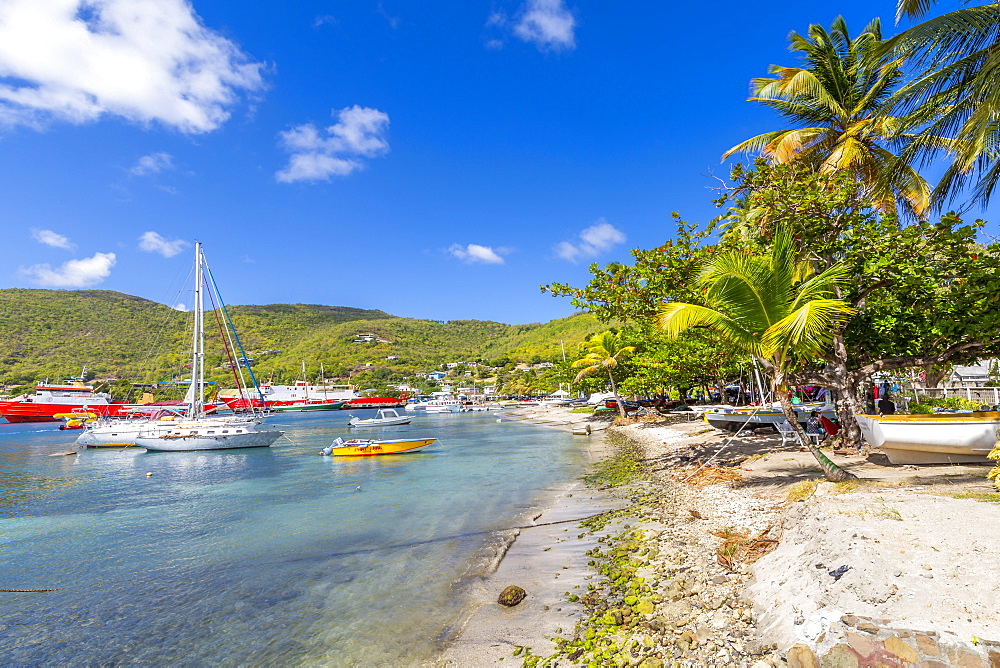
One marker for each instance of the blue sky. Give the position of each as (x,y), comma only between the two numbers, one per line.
(430,159)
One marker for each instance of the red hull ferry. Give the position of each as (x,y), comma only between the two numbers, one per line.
(48,400)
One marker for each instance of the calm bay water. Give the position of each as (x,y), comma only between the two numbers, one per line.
(259,556)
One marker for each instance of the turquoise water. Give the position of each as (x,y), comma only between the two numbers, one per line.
(259,556)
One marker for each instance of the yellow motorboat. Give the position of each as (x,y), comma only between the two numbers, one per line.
(75,419)
(362,447)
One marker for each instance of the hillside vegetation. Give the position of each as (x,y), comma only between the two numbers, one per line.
(52,334)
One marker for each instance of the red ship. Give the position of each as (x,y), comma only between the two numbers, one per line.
(48,400)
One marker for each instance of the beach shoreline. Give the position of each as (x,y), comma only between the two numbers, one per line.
(547,559)
(889,568)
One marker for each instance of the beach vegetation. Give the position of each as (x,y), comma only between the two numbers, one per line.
(924,293)
(801,490)
(952,93)
(835,102)
(605,351)
(775,307)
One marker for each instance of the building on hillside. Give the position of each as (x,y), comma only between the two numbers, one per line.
(436,375)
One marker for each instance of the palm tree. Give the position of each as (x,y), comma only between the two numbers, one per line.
(604,351)
(954,93)
(836,100)
(773,307)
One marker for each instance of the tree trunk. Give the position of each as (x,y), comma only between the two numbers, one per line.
(833,472)
(847,399)
(935,373)
(618,400)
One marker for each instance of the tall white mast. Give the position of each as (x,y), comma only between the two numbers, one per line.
(196,407)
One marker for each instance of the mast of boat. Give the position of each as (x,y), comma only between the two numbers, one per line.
(322,379)
(763,394)
(196,405)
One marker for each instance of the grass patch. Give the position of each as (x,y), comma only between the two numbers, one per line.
(582,409)
(891,513)
(985,497)
(621,467)
(847,486)
(801,490)
(707,475)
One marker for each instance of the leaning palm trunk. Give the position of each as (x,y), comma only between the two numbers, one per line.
(618,399)
(833,472)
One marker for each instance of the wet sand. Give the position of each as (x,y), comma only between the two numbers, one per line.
(546,560)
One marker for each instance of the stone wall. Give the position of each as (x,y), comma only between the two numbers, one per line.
(860,642)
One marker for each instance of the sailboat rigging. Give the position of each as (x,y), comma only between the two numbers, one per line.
(195,430)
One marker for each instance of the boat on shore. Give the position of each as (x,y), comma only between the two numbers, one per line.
(364,447)
(938,438)
(386,417)
(733,418)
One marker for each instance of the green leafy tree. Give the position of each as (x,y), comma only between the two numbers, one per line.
(662,363)
(604,353)
(836,101)
(774,307)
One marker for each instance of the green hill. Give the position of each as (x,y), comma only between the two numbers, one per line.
(51,334)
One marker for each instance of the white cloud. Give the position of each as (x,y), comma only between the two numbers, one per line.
(473,253)
(325,19)
(154,243)
(547,24)
(317,154)
(142,60)
(154,163)
(180,306)
(73,273)
(50,238)
(597,238)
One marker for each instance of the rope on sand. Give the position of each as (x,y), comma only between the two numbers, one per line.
(724,445)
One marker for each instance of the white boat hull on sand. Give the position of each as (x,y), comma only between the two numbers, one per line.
(732,418)
(189,442)
(961,438)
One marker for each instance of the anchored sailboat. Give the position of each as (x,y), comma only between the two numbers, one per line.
(194,430)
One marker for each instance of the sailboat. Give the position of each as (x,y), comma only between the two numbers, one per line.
(194,430)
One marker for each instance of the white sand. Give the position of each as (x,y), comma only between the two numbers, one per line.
(919,561)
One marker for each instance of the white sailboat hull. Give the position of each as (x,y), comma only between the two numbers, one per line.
(932,439)
(189,442)
(119,433)
(731,418)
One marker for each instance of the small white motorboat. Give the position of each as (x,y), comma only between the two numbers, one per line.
(386,417)
(939,438)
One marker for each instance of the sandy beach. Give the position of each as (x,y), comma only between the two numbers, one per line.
(546,560)
(754,560)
